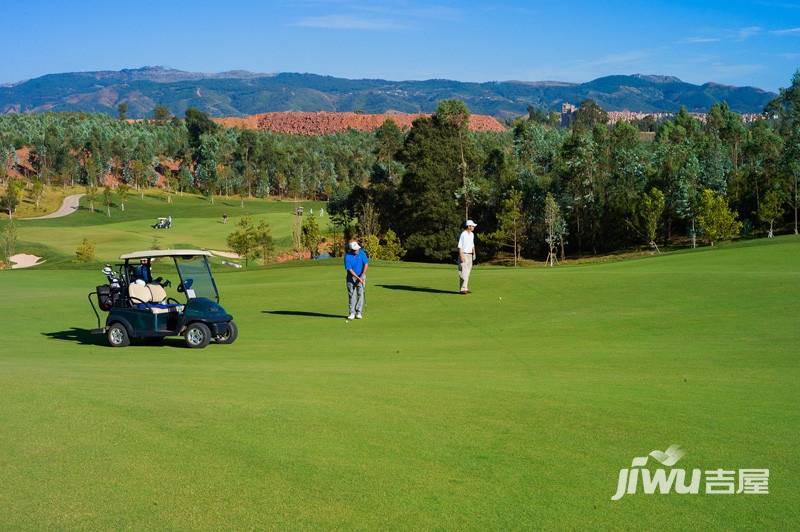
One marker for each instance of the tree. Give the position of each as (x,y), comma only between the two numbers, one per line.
(770,208)
(590,114)
(122,193)
(428,216)
(787,108)
(244,240)
(511,224)
(792,166)
(579,171)
(650,210)
(555,228)
(542,116)
(108,199)
(91,194)
(122,110)
(161,113)
(85,251)
(198,124)
(8,243)
(185,179)
(264,242)
(390,141)
(37,192)
(311,235)
(10,199)
(297,233)
(454,114)
(341,218)
(139,173)
(368,220)
(207,174)
(715,218)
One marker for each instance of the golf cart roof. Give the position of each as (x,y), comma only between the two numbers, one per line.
(164,253)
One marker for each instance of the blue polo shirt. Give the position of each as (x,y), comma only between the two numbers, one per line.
(355,262)
(143,273)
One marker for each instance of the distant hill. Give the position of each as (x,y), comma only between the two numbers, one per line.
(241,93)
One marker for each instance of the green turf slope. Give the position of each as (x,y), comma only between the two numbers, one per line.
(437,411)
(196,223)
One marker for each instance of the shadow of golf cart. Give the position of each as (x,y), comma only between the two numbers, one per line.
(138,305)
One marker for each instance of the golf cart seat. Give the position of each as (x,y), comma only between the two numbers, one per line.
(151,297)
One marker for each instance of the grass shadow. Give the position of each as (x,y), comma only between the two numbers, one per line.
(86,337)
(410,288)
(78,335)
(303,313)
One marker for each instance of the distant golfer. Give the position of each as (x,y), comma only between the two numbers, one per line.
(466,254)
(356,264)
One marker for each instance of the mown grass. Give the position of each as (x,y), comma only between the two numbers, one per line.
(436,411)
(196,223)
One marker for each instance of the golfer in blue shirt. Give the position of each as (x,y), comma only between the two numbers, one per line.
(356,263)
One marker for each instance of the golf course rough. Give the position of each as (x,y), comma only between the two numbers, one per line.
(438,411)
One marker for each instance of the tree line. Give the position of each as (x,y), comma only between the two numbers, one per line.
(537,190)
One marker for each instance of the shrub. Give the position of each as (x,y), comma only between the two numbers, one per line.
(85,251)
(391,249)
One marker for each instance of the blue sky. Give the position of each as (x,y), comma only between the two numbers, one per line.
(733,42)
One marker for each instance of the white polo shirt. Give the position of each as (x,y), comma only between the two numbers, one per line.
(466,242)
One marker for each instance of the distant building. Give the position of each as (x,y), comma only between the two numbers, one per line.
(569,111)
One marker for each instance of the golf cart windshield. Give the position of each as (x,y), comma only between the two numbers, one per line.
(196,277)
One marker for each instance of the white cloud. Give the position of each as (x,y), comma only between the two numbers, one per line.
(747,32)
(349,22)
(699,40)
(787,31)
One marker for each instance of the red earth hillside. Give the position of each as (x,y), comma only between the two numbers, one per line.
(325,123)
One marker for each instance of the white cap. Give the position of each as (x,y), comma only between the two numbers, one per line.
(354,246)
(470,222)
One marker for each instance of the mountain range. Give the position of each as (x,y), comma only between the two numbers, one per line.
(240,93)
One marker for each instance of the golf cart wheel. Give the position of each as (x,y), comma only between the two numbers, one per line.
(230,336)
(197,335)
(118,336)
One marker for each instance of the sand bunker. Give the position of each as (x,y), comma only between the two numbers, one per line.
(226,254)
(24,260)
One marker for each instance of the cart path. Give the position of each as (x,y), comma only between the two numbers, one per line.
(24,260)
(69,206)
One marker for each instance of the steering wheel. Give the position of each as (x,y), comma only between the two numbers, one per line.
(185,285)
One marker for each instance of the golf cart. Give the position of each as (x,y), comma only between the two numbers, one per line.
(138,306)
(163,223)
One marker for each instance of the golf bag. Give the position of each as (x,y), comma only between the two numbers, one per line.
(105,297)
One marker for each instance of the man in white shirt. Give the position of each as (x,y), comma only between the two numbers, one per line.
(466,253)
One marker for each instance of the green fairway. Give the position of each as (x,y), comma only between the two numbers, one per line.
(196,223)
(512,408)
